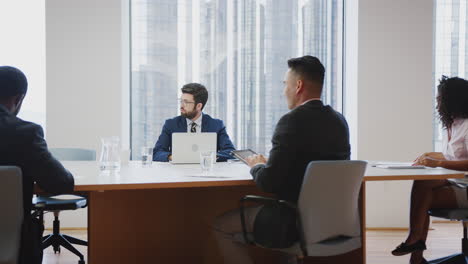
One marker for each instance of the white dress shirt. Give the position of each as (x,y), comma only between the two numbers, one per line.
(456,148)
(198,123)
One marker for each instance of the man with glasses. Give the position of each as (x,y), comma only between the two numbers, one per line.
(192,120)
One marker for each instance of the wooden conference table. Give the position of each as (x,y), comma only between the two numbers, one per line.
(162,214)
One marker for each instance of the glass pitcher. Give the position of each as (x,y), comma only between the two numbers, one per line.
(110,154)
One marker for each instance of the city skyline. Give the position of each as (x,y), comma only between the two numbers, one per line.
(238,49)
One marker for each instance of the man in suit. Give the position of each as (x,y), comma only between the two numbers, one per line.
(22,144)
(192,120)
(310,131)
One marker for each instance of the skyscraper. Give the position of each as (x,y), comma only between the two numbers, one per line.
(237,48)
(213,60)
(154,71)
(281,44)
(321,23)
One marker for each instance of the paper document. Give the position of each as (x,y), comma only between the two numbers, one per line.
(208,176)
(401,166)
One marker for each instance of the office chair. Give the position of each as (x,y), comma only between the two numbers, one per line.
(459,215)
(328,222)
(11,207)
(55,205)
(73,154)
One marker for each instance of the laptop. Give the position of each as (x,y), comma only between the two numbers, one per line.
(186,147)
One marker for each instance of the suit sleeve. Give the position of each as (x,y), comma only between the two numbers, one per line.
(47,172)
(271,177)
(162,149)
(225,145)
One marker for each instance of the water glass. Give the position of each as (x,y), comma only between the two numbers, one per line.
(207,159)
(109,160)
(146,156)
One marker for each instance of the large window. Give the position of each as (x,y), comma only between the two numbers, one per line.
(238,49)
(451,50)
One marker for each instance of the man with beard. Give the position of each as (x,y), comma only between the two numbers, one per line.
(192,120)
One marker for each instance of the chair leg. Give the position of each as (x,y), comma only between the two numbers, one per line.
(75,240)
(66,244)
(57,240)
(47,241)
(465,239)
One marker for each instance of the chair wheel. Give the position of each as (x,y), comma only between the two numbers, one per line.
(57,249)
(81,262)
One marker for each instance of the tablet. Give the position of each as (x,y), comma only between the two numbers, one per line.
(243,153)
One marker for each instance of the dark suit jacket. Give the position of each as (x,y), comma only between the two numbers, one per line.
(163,147)
(309,132)
(22,144)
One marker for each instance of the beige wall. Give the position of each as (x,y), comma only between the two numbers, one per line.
(87,77)
(395,84)
(85,68)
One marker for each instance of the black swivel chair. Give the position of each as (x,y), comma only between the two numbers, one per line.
(55,205)
(459,215)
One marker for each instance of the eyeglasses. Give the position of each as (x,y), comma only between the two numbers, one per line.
(185,102)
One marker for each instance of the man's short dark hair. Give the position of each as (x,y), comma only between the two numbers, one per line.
(12,82)
(199,92)
(308,67)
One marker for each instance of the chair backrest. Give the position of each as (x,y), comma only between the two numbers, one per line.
(328,201)
(11,210)
(76,154)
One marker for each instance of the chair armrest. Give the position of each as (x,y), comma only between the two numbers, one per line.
(267,200)
(272,201)
(260,200)
(251,198)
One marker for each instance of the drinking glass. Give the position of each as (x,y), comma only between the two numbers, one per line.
(146,156)
(207,159)
(109,160)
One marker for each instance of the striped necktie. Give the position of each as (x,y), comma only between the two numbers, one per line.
(193,129)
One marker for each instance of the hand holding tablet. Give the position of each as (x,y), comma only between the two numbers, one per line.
(243,154)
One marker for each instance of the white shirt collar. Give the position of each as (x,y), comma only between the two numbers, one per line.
(198,121)
(313,99)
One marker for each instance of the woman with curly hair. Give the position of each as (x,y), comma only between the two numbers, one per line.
(452,107)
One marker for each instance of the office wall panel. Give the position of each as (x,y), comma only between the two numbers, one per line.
(87,77)
(394,96)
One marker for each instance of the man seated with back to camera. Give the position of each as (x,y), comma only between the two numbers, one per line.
(193,120)
(310,131)
(22,144)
